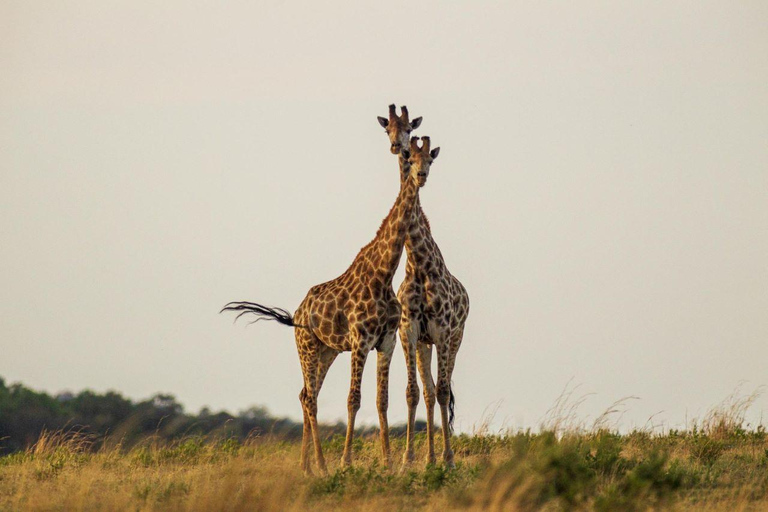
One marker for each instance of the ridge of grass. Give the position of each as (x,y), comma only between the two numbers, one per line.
(599,470)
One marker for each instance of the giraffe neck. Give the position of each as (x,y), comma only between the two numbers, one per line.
(384,252)
(419,244)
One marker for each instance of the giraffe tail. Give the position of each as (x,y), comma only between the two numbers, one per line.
(261,312)
(451,408)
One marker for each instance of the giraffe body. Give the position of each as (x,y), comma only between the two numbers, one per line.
(435,306)
(356,312)
(433,301)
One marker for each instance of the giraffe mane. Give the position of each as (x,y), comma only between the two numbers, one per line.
(378,233)
(426,221)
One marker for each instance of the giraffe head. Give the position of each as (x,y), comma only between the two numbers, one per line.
(420,159)
(398,128)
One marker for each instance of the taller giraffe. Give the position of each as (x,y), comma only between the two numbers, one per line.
(435,306)
(357,312)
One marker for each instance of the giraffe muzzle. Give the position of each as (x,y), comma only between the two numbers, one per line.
(395,148)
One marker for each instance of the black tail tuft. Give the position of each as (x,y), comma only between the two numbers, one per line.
(261,312)
(451,408)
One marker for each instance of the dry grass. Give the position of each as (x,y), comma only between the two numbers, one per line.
(523,471)
(729,415)
(719,464)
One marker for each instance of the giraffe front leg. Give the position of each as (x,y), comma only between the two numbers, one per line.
(443,397)
(359,356)
(383,361)
(424,360)
(408,341)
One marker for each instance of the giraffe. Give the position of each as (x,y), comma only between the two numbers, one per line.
(356,312)
(435,306)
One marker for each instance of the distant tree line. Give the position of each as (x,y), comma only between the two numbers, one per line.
(25,414)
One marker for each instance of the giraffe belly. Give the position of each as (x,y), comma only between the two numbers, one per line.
(424,333)
(437,322)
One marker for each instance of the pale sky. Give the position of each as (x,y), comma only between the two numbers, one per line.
(602,193)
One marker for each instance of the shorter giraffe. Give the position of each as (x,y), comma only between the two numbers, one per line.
(357,312)
(435,306)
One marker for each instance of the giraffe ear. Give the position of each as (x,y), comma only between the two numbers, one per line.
(383,121)
(434,153)
(415,123)
(406,154)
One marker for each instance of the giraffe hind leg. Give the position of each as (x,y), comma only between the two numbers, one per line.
(454,349)
(306,435)
(327,357)
(408,341)
(443,398)
(308,346)
(424,360)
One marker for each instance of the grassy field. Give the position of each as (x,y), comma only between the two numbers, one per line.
(718,466)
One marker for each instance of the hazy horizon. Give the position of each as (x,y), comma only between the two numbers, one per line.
(601,192)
